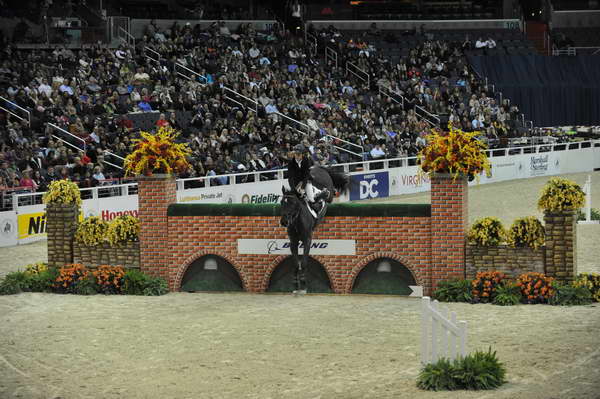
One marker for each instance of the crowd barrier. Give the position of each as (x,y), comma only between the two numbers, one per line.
(25,222)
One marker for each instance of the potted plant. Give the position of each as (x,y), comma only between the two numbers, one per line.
(157,154)
(454,152)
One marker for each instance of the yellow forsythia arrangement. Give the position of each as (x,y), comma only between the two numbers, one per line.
(109,279)
(486,232)
(36,268)
(535,287)
(592,282)
(526,232)
(484,285)
(123,229)
(457,152)
(157,153)
(69,276)
(62,192)
(561,195)
(91,231)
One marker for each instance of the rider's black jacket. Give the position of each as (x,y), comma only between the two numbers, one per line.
(299,173)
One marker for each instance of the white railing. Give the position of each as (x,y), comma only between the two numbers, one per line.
(427,116)
(181,70)
(11,108)
(67,135)
(304,129)
(392,95)
(359,73)
(245,102)
(441,335)
(152,54)
(587,189)
(298,126)
(110,155)
(126,37)
(331,54)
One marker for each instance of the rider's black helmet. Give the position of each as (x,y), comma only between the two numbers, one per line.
(299,148)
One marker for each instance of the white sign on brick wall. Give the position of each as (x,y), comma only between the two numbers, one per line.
(282,247)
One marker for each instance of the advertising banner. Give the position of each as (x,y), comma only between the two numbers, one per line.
(32,223)
(368,186)
(8,229)
(408,180)
(282,247)
(110,208)
(267,192)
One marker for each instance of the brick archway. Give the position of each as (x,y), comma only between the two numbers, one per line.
(361,263)
(277,261)
(197,255)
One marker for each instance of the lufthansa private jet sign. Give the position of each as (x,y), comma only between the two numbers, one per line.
(282,247)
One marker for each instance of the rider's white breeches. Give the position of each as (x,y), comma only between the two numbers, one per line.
(311,192)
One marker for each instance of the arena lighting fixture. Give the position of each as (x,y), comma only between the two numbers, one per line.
(384,267)
(210,264)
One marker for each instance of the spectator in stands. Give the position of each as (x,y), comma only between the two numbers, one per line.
(480,43)
(27,182)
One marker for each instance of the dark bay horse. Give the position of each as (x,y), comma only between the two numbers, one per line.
(299,221)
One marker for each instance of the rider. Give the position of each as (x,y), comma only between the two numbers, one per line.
(299,178)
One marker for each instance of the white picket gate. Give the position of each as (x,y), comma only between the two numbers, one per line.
(441,334)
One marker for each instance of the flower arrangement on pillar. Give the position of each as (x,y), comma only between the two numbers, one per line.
(454,152)
(450,158)
(560,199)
(157,153)
(62,211)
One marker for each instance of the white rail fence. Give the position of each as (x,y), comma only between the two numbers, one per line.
(441,335)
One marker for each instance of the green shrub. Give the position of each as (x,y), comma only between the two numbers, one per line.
(86,286)
(486,232)
(570,295)
(155,287)
(135,282)
(508,294)
(438,376)
(14,283)
(42,281)
(594,214)
(138,283)
(476,371)
(526,232)
(455,290)
(480,370)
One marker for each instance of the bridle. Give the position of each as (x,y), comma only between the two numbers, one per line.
(290,217)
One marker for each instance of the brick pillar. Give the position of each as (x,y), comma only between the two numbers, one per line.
(61,225)
(560,245)
(449,220)
(155,194)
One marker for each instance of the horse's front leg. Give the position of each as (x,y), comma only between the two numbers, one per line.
(294,249)
(304,264)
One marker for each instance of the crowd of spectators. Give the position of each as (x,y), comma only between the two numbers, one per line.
(92,93)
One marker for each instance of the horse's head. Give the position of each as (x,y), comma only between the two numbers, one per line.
(290,207)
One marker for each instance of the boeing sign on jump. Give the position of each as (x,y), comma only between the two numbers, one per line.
(367,186)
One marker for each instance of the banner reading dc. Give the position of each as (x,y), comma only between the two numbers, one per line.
(371,185)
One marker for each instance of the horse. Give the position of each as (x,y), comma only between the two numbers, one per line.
(300,223)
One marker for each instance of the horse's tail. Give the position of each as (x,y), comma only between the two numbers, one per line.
(340,180)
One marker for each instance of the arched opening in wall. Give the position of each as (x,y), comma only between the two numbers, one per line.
(211,273)
(282,278)
(384,276)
